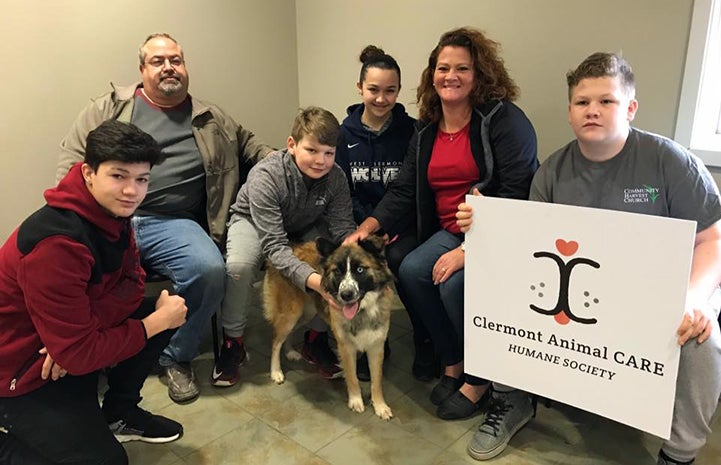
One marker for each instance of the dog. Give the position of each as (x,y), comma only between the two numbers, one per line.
(358,278)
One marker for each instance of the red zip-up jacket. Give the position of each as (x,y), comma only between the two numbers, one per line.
(70,277)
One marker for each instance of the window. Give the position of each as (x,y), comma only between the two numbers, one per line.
(698,124)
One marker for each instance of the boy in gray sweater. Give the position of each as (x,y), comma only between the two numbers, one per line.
(295,194)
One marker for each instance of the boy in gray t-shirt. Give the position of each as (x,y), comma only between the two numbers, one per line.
(651,175)
(614,166)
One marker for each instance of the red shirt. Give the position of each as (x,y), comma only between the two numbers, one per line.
(451,173)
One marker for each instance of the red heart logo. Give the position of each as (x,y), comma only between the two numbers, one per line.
(566,248)
(561,318)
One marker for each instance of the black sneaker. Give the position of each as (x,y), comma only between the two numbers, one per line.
(226,370)
(320,354)
(363,371)
(426,365)
(141,425)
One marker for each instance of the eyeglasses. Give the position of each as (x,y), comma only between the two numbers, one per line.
(159,62)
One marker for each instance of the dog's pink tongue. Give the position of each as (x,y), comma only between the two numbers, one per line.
(349,311)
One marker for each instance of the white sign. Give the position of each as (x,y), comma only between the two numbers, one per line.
(579,305)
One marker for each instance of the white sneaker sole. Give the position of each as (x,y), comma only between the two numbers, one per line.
(136,437)
(217,382)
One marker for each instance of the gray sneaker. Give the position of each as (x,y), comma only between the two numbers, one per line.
(182,386)
(507,413)
(664,459)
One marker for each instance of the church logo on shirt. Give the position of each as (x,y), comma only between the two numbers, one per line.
(643,194)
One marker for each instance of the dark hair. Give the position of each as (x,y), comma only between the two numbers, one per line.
(124,142)
(603,64)
(374,57)
(316,121)
(491,77)
(141,51)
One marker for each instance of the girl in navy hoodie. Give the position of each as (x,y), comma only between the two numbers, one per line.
(371,147)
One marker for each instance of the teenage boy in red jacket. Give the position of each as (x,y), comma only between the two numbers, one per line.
(71,286)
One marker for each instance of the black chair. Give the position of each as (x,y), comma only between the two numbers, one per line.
(153,277)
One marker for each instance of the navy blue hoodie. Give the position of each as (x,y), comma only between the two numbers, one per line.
(371,161)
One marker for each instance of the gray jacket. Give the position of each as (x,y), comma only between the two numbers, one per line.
(226,148)
(277,201)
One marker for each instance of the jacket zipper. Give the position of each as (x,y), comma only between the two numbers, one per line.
(24,368)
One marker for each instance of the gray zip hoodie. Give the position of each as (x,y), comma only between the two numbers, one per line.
(285,207)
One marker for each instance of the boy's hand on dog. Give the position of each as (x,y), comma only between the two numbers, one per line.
(332,303)
(447,264)
(50,368)
(314,282)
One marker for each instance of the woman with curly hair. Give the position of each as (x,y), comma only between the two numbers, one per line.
(470,135)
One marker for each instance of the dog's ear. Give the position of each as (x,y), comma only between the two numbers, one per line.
(374,244)
(325,246)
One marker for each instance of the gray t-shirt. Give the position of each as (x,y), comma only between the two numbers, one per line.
(177,186)
(651,175)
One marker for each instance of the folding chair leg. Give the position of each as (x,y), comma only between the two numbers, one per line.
(216,342)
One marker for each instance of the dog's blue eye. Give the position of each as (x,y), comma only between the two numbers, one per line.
(360,269)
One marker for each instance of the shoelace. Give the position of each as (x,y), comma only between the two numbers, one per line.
(496,411)
(181,371)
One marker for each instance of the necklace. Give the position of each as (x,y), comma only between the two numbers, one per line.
(451,135)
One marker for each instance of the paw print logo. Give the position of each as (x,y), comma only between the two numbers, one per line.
(562,312)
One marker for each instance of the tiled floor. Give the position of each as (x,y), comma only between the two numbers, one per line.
(306,421)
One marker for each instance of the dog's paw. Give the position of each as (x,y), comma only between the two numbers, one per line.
(277,376)
(383,411)
(356,404)
(293,355)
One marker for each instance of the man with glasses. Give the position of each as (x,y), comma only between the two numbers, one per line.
(180,226)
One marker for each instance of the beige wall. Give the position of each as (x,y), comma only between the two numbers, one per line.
(541,40)
(55,56)
(247,57)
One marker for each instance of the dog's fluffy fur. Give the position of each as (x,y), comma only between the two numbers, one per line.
(358,278)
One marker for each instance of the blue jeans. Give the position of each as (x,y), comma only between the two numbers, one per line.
(439,306)
(182,251)
(395,253)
